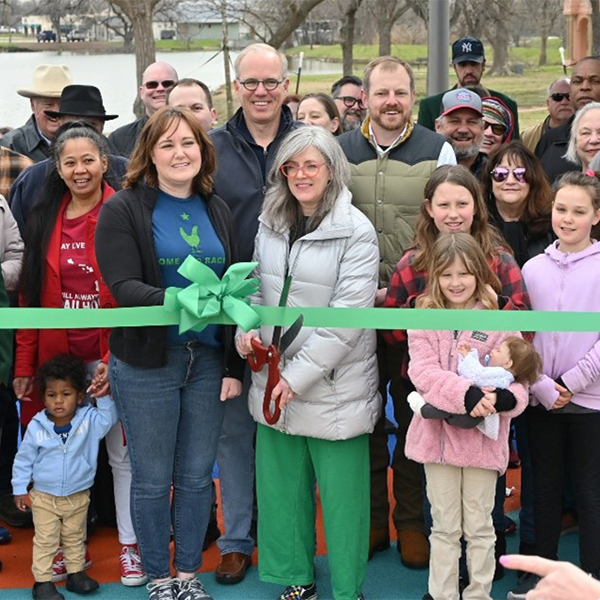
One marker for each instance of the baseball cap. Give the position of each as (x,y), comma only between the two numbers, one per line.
(467,48)
(461,98)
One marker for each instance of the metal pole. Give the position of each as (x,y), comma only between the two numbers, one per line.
(439,40)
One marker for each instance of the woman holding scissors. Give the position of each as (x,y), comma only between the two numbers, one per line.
(310,231)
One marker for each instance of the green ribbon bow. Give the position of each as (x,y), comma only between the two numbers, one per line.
(212,300)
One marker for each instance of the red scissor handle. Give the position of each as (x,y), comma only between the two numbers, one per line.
(260,356)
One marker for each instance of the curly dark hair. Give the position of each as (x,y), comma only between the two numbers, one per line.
(65,367)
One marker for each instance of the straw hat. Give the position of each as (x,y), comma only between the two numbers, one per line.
(48,82)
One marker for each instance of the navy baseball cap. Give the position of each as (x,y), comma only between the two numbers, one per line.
(467,49)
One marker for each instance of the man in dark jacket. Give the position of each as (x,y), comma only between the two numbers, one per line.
(583,89)
(34,138)
(246,146)
(157,80)
(468,59)
(78,103)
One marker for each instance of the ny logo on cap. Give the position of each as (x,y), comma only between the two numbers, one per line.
(466,47)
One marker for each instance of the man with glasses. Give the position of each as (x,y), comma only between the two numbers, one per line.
(560,110)
(347,93)
(468,60)
(391,160)
(246,146)
(583,89)
(157,80)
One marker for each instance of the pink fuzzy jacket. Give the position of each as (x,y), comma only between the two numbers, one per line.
(432,369)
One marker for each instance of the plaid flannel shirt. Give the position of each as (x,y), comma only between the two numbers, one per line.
(11,165)
(406,284)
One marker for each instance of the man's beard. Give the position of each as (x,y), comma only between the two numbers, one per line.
(348,124)
(463,154)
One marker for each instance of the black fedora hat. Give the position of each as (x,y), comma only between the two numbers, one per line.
(81,101)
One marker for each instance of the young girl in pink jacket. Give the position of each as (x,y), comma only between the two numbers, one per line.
(461,465)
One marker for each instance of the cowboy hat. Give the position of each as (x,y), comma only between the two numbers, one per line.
(48,81)
(81,101)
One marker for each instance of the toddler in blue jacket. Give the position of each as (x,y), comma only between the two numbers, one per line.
(59,455)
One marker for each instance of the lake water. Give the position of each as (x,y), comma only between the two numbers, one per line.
(113,74)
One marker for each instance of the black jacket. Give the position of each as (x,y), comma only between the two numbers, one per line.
(27,140)
(127,259)
(239,179)
(551,148)
(124,138)
(28,186)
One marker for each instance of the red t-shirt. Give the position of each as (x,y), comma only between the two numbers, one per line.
(79,282)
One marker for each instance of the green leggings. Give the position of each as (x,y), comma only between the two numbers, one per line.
(286,469)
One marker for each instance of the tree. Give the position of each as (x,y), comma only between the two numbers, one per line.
(348,8)
(139,13)
(386,13)
(547,13)
(57,9)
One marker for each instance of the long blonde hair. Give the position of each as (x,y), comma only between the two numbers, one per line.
(462,246)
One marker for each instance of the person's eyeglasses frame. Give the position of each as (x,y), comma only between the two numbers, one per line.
(297,168)
(560,96)
(153,84)
(350,101)
(497,128)
(252,84)
(500,174)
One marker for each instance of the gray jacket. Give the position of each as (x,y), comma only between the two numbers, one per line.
(27,140)
(11,247)
(332,371)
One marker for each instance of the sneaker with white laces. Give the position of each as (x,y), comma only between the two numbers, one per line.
(299,592)
(191,589)
(165,590)
(131,566)
(59,569)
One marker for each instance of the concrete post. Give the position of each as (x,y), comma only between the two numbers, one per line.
(439,41)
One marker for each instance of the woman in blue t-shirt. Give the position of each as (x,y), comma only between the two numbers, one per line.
(169,387)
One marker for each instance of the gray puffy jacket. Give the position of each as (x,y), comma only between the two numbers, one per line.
(332,371)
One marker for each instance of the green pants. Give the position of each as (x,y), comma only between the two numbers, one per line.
(286,469)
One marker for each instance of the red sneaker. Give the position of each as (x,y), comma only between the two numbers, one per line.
(131,566)
(59,569)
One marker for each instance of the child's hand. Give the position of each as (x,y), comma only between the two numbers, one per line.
(100,385)
(22,386)
(464,349)
(230,388)
(23,502)
(484,408)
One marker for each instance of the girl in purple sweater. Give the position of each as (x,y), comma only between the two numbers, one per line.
(461,465)
(567,396)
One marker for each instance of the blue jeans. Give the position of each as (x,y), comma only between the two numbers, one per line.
(172,417)
(236,472)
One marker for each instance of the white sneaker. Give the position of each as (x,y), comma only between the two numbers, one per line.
(131,566)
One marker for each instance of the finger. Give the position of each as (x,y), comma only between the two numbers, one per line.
(532,564)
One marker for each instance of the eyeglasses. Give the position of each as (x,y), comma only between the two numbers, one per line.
(497,128)
(152,85)
(310,170)
(350,101)
(269,84)
(559,97)
(500,174)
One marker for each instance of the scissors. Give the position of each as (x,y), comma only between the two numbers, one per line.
(271,355)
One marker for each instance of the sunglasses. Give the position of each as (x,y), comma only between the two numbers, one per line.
(497,128)
(500,174)
(310,170)
(559,96)
(152,85)
(350,101)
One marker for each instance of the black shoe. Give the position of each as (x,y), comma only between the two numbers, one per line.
(12,515)
(525,584)
(299,592)
(427,596)
(80,583)
(213,533)
(46,591)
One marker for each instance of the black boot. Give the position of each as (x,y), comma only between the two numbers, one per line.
(80,583)
(499,550)
(46,590)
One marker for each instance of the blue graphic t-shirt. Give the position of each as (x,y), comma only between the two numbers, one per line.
(181,227)
(63,431)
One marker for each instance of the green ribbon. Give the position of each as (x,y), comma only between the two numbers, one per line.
(208,299)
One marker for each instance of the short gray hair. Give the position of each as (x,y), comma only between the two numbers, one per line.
(571,153)
(280,209)
(260,49)
(563,78)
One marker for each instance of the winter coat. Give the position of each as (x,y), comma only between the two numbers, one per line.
(432,369)
(566,282)
(124,138)
(332,371)
(551,150)
(11,247)
(27,140)
(63,468)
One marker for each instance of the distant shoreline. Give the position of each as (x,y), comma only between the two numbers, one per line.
(87,47)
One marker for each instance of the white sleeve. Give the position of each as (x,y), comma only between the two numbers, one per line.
(447,156)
